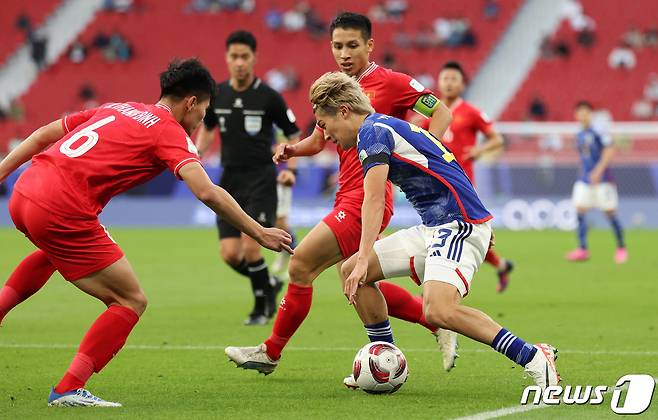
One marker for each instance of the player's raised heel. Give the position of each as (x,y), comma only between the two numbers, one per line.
(78,398)
(254,358)
(447,342)
(503,276)
(542,368)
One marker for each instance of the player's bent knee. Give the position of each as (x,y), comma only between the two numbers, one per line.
(440,316)
(137,302)
(232,258)
(299,271)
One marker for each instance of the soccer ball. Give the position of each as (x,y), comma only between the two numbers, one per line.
(380,368)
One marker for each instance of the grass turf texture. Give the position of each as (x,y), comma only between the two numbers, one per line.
(590,311)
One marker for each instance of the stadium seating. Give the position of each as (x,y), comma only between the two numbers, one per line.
(161,31)
(586,74)
(10,36)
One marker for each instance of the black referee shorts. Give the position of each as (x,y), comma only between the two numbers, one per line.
(255,191)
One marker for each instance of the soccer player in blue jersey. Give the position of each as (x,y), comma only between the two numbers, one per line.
(445,250)
(595,187)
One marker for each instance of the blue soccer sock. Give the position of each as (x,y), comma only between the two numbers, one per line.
(380,332)
(582,231)
(619,231)
(513,347)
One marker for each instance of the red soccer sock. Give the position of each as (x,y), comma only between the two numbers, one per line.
(103,340)
(493,258)
(30,276)
(403,305)
(292,312)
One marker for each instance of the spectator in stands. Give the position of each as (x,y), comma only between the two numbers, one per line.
(314,24)
(122,49)
(274,18)
(16,110)
(491,9)
(395,9)
(537,110)
(77,52)
(87,95)
(651,37)
(377,12)
(634,38)
(642,109)
(282,80)
(622,57)
(294,20)
(586,37)
(38,46)
(389,61)
(3,113)
(651,88)
(562,49)
(121,6)
(101,40)
(24,23)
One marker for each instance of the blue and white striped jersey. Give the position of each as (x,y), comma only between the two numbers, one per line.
(424,169)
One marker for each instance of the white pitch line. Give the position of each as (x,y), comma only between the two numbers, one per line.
(311,349)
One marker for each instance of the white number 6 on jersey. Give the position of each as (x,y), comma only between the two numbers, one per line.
(89,133)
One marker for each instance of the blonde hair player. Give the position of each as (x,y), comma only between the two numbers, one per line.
(452,239)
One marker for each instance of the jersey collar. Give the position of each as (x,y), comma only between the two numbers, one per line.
(163,106)
(369,70)
(456,104)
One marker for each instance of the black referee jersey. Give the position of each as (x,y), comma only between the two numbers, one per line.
(246,120)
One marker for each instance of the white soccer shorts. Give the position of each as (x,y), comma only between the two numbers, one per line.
(284,200)
(602,195)
(450,253)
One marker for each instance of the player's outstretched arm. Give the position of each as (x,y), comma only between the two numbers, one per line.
(372,213)
(225,206)
(440,120)
(309,146)
(35,143)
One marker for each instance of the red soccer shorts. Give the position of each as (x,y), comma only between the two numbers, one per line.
(76,247)
(345,222)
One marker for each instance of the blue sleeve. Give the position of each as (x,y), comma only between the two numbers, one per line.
(375,146)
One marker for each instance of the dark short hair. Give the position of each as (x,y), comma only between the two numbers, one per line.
(454,65)
(186,78)
(349,20)
(584,104)
(242,37)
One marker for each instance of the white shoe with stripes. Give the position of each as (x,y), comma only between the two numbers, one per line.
(542,368)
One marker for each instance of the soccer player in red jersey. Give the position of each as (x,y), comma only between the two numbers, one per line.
(78,164)
(337,236)
(460,138)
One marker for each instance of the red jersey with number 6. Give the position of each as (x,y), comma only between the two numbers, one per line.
(461,136)
(390,93)
(106,151)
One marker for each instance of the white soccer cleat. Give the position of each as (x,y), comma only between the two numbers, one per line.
(542,367)
(447,341)
(78,398)
(350,382)
(254,358)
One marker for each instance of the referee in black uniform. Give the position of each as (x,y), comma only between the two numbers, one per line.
(245,110)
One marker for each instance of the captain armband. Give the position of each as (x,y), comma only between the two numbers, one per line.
(426,105)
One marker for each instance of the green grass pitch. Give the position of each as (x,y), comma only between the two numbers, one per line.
(602,317)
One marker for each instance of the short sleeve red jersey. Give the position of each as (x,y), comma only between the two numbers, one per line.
(461,136)
(390,93)
(105,151)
